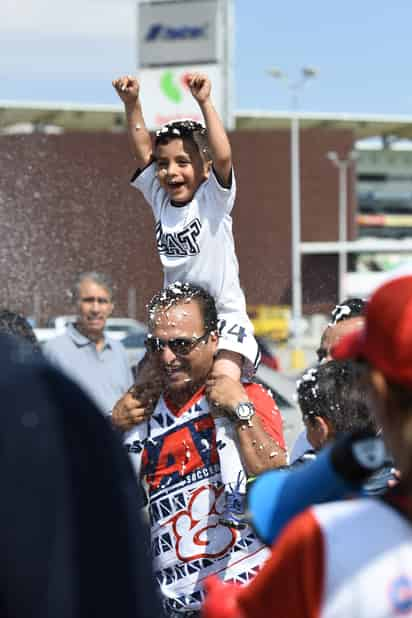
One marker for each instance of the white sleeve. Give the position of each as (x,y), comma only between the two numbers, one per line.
(220,200)
(147,183)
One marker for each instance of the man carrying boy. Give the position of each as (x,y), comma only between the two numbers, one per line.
(179,463)
(188,180)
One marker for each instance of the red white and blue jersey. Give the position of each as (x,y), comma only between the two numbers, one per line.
(337,560)
(181,473)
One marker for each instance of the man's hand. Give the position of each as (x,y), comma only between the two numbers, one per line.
(224,394)
(128,88)
(200,87)
(133,408)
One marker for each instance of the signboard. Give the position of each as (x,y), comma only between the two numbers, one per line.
(165,95)
(178,32)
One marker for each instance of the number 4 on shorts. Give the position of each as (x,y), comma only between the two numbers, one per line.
(238,331)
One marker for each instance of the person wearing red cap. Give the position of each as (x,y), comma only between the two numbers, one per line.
(351,557)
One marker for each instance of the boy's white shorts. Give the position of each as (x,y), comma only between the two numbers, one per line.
(237,338)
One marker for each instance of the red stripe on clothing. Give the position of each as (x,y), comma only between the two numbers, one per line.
(291,582)
(267,411)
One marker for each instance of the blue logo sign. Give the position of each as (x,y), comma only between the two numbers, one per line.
(175,33)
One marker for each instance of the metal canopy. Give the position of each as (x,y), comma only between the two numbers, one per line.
(75,117)
(363,126)
(71,117)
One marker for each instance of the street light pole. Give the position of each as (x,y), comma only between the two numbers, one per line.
(297,360)
(342,166)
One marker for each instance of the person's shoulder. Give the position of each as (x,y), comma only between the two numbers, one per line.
(344,514)
(213,189)
(142,174)
(115,344)
(258,393)
(57,342)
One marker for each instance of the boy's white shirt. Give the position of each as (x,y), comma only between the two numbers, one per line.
(195,242)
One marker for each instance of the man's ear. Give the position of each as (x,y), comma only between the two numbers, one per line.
(379,383)
(382,395)
(111,305)
(323,429)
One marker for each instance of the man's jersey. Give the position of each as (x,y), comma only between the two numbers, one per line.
(195,241)
(181,474)
(338,560)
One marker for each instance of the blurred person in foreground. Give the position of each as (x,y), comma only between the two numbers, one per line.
(353,557)
(12,323)
(347,316)
(178,460)
(73,542)
(84,352)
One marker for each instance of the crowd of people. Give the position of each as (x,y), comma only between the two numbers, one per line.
(171,493)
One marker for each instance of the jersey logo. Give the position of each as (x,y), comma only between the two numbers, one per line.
(193,528)
(179,244)
(181,452)
(400,593)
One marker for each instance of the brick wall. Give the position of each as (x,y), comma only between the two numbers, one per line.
(65,206)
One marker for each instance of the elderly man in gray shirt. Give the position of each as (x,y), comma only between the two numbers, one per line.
(96,362)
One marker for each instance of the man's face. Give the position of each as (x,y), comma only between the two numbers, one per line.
(333,334)
(181,372)
(94,307)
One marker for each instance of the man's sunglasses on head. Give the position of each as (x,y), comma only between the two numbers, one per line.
(180,346)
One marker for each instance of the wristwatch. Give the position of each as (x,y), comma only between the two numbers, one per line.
(244,411)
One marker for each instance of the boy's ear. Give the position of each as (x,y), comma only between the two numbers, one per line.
(320,432)
(207,168)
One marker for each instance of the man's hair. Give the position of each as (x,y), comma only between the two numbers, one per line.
(177,293)
(12,323)
(338,392)
(99,278)
(185,129)
(347,309)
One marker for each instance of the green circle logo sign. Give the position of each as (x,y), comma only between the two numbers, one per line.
(169,88)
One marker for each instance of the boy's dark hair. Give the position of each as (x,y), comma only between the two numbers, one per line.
(185,129)
(184,292)
(347,309)
(338,392)
(12,323)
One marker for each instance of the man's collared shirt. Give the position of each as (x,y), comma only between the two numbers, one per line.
(104,374)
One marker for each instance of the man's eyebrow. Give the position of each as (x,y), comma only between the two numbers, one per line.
(100,299)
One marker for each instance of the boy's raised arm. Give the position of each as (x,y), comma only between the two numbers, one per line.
(128,89)
(219,144)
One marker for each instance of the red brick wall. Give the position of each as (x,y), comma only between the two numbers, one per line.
(65,206)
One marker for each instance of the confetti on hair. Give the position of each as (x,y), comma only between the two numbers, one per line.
(181,128)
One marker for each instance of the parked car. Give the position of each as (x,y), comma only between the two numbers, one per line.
(135,346)
(117,328)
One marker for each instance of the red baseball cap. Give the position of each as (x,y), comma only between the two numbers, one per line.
(386,339)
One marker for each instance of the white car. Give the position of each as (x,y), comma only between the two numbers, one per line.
(117,328)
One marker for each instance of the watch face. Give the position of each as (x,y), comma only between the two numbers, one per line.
(245,411)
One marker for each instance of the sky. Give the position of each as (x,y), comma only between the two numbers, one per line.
(55,51)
